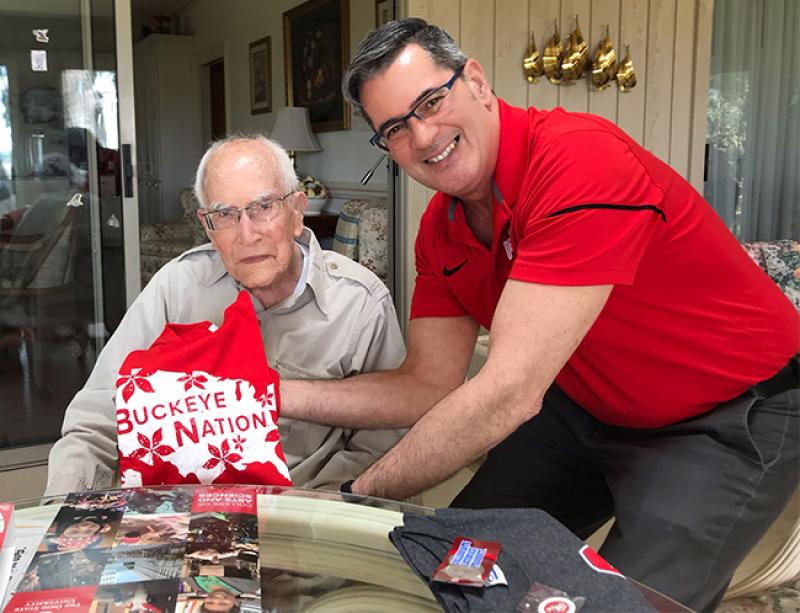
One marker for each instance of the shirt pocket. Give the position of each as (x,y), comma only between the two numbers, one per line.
(300,439)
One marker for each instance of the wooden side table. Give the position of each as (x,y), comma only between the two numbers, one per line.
(323,226)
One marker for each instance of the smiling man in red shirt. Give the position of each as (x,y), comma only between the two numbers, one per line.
(640,365)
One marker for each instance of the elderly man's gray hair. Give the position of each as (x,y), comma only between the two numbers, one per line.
(287,178)
(382,46)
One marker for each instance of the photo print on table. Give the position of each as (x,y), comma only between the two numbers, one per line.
(75,529)
(143,531)
(141,596)
(146,501)
(221,566)
(51,571)
(217,594)
(114,500)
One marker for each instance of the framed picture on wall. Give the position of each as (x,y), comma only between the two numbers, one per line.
(261,76)
(383,12)
(316,38)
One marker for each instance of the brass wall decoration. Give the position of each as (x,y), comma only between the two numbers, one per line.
(576,57)
(565,66)
(552,57)
(604,68)
(626,76)
(532,64)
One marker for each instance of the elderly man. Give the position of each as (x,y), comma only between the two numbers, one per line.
(598,268)
(323,316)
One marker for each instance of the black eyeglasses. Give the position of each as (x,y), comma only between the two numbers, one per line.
(395,131)
(260,211)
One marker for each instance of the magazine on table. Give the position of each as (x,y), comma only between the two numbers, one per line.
(144,549)
(6,545)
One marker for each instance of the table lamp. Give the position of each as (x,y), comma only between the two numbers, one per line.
(292,130)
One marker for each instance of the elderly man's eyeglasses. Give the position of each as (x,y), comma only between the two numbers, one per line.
(261,211)
(395,131)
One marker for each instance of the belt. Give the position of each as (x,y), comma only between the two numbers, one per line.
(787,378)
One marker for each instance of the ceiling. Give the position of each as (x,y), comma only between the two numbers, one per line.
(53,8)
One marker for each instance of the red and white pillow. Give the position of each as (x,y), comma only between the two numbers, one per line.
(201,406)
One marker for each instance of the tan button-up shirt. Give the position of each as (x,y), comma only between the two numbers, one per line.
(342,323)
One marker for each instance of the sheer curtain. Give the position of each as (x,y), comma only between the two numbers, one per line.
(753,129)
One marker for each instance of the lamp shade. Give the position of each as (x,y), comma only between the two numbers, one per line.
(292,129)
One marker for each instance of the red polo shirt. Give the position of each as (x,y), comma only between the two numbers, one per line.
(691,321)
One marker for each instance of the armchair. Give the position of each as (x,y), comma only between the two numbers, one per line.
(361,234)
(39,299)
(160,243)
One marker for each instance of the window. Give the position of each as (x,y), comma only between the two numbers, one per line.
(753,126)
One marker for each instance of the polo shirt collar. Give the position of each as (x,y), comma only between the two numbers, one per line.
(513,153)
(512,161)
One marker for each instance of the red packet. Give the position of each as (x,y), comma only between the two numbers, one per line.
(201,406)
(469,562)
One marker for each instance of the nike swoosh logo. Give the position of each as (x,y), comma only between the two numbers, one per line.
(449,272)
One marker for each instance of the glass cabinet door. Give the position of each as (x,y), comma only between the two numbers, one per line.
(61,250)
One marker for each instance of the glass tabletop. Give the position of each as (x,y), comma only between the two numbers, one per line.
(316,550)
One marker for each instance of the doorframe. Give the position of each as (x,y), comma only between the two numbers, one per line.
(127,135)
(202,58)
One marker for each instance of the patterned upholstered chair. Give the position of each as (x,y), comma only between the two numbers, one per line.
(768,581)
(780,259)
(159,243)
(362,234)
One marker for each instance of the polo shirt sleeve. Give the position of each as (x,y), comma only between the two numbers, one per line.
(432,296)
(588,211)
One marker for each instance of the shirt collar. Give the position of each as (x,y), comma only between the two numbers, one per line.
(512,160)
(513,152)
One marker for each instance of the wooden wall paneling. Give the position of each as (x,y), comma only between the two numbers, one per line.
(658,87)
(702,77)
(575,97)
(633,32)
(512,37)
(682,83)
(543,14)
(414,200)
(415,8)
(477,33)
(604,13)
(446,14)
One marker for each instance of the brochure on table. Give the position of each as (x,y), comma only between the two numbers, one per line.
(6,545)
(141,549)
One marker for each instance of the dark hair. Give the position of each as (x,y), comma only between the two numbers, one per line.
(382,46)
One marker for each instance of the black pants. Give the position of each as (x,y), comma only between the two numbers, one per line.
(690,500)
